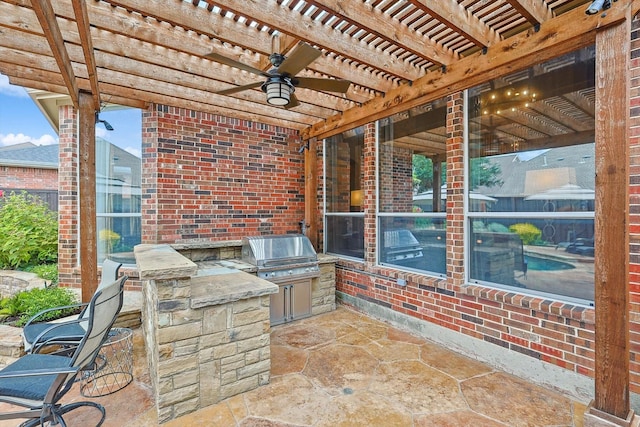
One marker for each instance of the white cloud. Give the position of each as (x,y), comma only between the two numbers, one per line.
(7,88)
(135,151)
(19,138)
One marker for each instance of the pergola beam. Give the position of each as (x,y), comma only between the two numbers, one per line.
(84,32)
(536,12)
(455,16)
(290,22)
(47,18)
(568,32)
(391,30)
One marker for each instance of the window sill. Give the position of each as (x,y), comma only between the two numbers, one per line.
(544,306)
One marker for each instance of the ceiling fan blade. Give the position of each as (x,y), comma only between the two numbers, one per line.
(293,102)
(303,55)
(238,88)
(233,63)
(329,85)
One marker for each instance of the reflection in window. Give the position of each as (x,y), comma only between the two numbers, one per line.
(118,179)
(532,178)
(412,189)
(344,216)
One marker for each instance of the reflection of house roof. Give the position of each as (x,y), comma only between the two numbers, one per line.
(47,157)
(36,156)
(523,173)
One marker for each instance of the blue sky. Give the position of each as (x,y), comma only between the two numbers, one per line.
(22,121)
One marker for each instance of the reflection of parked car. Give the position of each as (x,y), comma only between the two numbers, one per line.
(581,246)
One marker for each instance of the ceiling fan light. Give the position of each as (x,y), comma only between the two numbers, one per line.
(278,92)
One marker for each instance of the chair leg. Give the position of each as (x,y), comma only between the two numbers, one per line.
(55,416)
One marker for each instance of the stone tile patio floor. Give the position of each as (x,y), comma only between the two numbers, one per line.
(346,369)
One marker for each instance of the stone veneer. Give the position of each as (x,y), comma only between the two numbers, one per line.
(228,253)
(207,337)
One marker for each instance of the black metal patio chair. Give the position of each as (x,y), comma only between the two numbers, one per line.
(37,382)
(62,336)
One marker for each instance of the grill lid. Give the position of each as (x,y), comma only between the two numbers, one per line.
(278,250)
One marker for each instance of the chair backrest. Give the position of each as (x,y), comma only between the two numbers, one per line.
(110,271)
(102,312)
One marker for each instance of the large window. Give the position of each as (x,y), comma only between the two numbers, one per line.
(344,215)
(118,179)
(531,179)
(412,189)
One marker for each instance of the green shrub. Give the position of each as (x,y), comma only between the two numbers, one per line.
(529,233)
(47,272)
(27,303)
(28,232)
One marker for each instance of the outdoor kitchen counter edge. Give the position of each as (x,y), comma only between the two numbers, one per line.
(228,287)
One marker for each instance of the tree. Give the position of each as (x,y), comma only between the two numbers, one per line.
(484,173)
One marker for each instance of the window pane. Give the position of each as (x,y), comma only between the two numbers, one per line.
(532,178)
(412,188)
(516,252)
(417,243)
(344,157)
(531,139)
(345,235)
(118,179)
(412,156)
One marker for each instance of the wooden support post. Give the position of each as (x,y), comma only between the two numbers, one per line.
(87,195)
(611,225)
(311,192)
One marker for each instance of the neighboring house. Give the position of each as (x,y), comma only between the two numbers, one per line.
(31,168)
(34,169)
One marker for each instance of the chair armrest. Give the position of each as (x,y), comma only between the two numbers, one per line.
(39,343)
(63,307)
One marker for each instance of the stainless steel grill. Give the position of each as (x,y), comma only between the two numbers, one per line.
(282,256)
(290,261)
(401,247)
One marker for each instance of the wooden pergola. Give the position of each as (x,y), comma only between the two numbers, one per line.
(398,54)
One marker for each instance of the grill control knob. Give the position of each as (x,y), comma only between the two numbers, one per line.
(273,274)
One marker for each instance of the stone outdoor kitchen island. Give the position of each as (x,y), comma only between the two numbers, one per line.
(207,337)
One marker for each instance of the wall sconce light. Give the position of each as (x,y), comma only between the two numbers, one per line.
(278,90)
(106,124)
(357,198)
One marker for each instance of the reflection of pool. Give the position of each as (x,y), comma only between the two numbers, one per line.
(545,264)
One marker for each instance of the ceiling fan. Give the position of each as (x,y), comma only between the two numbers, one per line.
(281,80)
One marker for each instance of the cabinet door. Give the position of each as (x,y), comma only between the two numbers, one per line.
(300,299)
(277,312)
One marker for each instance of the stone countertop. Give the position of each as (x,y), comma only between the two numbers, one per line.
(162,262)
(206,244)
(205,267)
(224,285)
(326,259)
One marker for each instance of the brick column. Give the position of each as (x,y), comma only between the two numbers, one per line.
(369,184)
(68,242)
(149,175)
(455,188)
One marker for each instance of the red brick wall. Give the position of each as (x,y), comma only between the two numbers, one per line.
(557,333)
(28,178)
(68,228)
(208,177)
(634,208)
